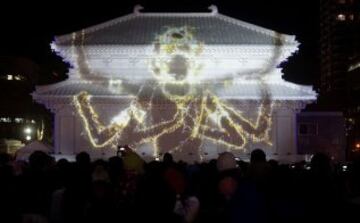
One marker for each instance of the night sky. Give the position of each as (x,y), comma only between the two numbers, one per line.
(27,28)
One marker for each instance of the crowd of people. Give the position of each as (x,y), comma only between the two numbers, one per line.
(127,189)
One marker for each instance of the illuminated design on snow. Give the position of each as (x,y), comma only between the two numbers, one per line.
(193,112)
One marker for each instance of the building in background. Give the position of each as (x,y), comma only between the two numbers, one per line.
(340,62)
(322,132)
(21,119)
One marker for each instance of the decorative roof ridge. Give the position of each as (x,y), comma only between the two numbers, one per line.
(175,14)
(213,8)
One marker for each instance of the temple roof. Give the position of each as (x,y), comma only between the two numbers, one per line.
(142,28)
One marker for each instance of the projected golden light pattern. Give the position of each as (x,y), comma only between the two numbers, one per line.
(192,113)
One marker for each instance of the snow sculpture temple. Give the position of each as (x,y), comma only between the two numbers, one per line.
(193,84)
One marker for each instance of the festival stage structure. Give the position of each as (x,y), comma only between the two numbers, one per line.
(193,84)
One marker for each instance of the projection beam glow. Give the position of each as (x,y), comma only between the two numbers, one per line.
(196,113)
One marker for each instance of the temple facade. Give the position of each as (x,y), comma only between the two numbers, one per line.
(192,84)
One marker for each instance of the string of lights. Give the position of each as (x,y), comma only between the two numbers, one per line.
(199,114)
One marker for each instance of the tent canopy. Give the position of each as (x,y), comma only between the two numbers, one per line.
(25,152)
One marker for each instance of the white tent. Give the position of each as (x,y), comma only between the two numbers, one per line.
(25,152)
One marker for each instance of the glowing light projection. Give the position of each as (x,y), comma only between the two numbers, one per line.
(191,113)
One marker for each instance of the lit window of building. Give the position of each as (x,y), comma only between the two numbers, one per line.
(19,120)
(341,17)
(12,77)
(5,119)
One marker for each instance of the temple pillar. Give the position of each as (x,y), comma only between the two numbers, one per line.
(64,130)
